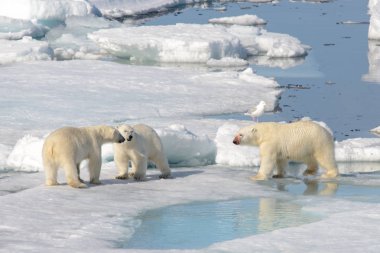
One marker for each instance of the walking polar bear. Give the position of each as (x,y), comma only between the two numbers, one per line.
(142,145)
(67,147)
(301,141)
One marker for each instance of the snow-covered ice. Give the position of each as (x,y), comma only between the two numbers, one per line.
(239,20)
(59,94)
(373,74)
(26,49)
(374,26)
(195,43)
(46,10)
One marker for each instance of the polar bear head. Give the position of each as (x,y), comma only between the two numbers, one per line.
(126,131)
(247,136)
(106,134)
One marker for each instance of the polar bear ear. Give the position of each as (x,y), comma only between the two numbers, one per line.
(254,130)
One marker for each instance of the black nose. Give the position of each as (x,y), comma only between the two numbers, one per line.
(130,138)
(121,139)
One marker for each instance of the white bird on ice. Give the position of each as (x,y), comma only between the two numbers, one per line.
(256,112)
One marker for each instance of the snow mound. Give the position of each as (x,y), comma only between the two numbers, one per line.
(247,20)
(46,10)
(195,43)
(358,150)
(231,154)
(26,155)
(26,49)
(182,148)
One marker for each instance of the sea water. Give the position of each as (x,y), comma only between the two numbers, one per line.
(200,224)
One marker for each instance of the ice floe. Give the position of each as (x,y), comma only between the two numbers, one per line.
(239,20)
(195,43)
(70,41)
(374,26)
(46,10)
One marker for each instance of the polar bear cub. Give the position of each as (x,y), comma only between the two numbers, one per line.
(142,145)
(67,147)
(301,141)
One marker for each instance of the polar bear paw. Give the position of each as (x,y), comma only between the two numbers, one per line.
(95,181)
(122,177)
(51,182)
(259,177)
(165,176)
(77,184)
(330,174)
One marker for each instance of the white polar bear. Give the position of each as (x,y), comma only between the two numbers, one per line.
(301,141)
(67,147)
(142,145)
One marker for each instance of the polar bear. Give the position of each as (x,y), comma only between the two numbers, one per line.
(67,147)
(142,145)
(301,141)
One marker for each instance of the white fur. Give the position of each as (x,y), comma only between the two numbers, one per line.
(67,147)
(302,141)
(142,145)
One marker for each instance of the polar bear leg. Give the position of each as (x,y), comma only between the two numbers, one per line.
(266,168)
(139,166)
(312,168)
(94,166)
(281,165)
(328,163)
(50,174)
(78,169)
(122,166)
(131,173)
(163,165)
(72,175)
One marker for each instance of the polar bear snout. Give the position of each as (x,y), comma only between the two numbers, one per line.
(130,137)
(237,140)
(121,139)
